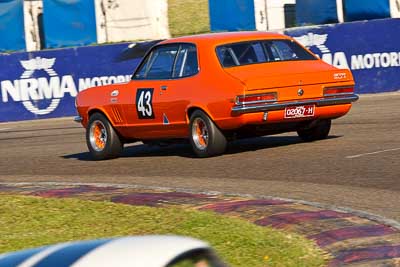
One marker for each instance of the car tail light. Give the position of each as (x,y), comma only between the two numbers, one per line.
(256,99)
(334,91)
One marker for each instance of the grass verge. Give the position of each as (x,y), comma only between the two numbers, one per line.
(31,221)
(186,17)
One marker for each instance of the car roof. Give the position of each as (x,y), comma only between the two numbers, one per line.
(149,251)
(216,39)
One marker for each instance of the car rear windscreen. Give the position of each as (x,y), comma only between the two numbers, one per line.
(254,52)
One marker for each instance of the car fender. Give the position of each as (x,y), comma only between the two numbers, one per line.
(194,106)
(101,110)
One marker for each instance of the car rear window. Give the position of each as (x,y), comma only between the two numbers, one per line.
(254,52)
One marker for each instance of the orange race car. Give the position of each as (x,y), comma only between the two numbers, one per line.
(213,88)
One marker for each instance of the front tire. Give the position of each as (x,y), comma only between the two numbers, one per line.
(205,137)
(102,140)
(317,132)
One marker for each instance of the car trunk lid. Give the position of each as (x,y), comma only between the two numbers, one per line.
(288,77)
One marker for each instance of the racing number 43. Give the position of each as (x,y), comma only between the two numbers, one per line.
(144,103)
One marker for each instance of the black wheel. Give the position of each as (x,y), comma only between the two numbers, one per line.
(318,131)
(102,140)
(206,139)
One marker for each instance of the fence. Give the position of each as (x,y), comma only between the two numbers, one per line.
(44,84)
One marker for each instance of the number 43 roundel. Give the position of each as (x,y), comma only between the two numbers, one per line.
(144,103)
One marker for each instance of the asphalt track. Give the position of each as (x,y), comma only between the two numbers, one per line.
(357,167)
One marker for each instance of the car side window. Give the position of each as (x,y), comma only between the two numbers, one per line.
(141,73)
(159,64)
(227,56)
(186,63)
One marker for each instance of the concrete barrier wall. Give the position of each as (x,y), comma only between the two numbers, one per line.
(115,21)
(131,20)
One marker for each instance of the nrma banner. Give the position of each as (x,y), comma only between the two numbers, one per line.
(44,84)
(370,49)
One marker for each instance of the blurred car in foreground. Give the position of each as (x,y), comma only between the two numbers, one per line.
(213,88)
(139,251)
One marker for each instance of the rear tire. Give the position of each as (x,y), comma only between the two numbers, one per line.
(101,138)
(205,137)
(318,132)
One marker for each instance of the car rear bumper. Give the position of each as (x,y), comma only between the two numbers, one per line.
(326,101)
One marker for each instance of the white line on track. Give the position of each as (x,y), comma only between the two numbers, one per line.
(4,129)
(372,153)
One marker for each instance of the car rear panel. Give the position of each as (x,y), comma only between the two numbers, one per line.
(286,78)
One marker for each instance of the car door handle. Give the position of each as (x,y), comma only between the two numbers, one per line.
(164,87)
(114,93)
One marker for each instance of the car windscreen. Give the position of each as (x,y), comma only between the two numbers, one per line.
(245,53)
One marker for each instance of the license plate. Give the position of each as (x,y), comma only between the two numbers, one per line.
(299,111)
